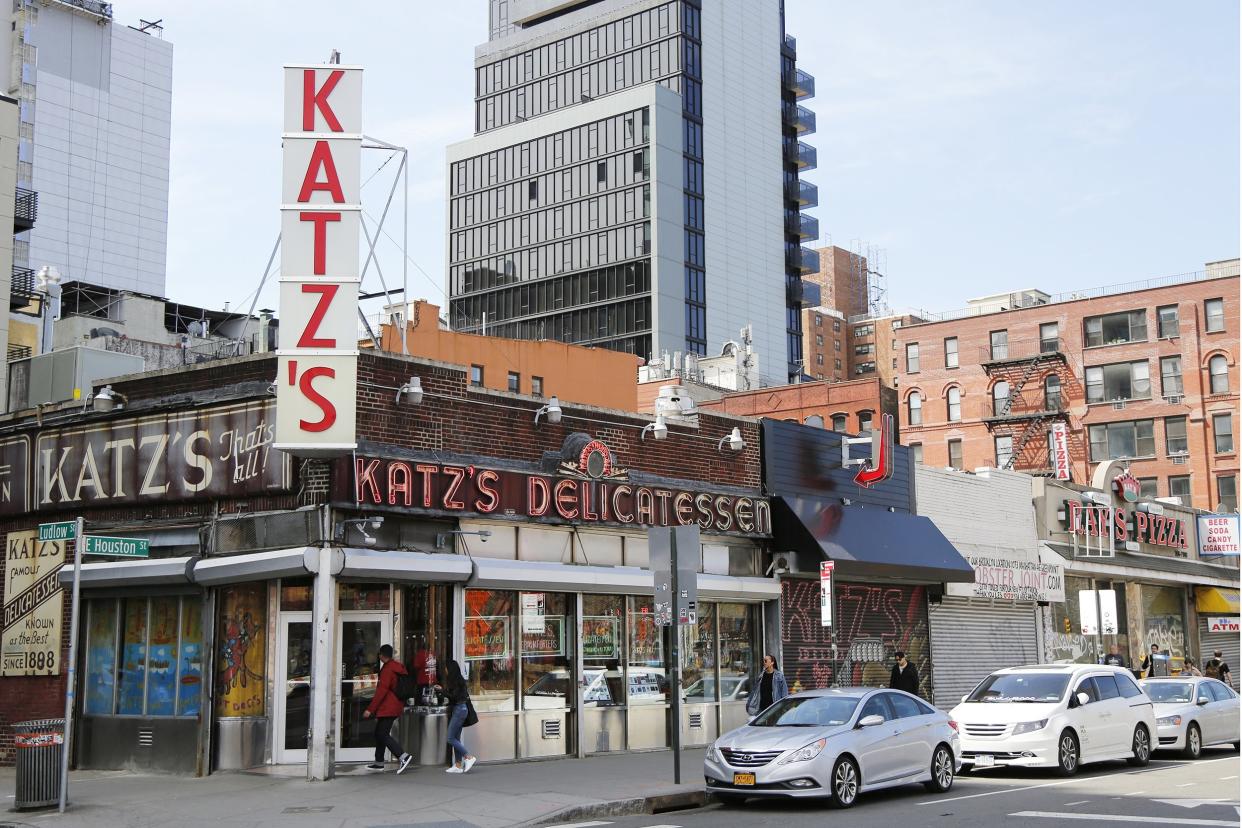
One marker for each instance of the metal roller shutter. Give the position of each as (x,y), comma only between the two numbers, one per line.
(1226,642)
(970,639)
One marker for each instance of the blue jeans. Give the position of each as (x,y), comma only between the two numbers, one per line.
(454,732)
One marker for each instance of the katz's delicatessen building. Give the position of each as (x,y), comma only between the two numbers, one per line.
(504,531)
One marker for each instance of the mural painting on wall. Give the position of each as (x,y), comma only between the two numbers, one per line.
(33,605)
(872,623)
(240,660)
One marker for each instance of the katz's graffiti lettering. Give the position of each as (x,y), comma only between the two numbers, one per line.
(872,623)
(224,451)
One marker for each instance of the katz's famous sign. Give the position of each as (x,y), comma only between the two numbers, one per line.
(595,494)
(1136,526)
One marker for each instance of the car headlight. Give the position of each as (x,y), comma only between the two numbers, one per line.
(805,754)
(1165,721)
(713,753)
(1029,727)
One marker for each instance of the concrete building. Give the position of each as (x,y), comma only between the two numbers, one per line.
(1145,372)
(849,407)
(95,113)
(633,181)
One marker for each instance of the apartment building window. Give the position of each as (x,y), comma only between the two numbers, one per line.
(819,376)
(836,345)
(1218,374)
(1175,436)
(515,382)
(914,406)
(819,359)
(1147,487)
(1119,381)
(536,386)
(819,340)
(1114,328)
(865,368)
(838,422)
(1117,441)
(1171,376)
(950,352)
(1049,338)
(1222,428)
(1004,450)
(953,401)
(864,421)
(916,452)
(864,349)
(1227,492)
(1179,486)
(836,363)
(894,363)
(1000,399)
(955,454)
(532,190)
(476,376)
(1000,344)
(1167,322)
(912,358)
(836,326)
(1052,393)
(1214,315)
(819,321)
(864,330)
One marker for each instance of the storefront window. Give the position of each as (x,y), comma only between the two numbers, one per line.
(296,596)
(547,646)
(363,596)
(133,658)
(647,680)
(1164,624)
(101,658)
(602,617)
(241,651)
(738,658)
(490,616)
(190,660)
(162,661)
(427,644)
(698,656)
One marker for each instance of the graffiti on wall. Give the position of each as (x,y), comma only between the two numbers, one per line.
(873,622)
(241,654)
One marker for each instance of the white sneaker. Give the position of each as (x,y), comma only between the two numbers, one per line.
(469,763)
(453,769)
(405,763)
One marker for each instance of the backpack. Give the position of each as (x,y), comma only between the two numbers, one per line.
(1212,668)
(406,687)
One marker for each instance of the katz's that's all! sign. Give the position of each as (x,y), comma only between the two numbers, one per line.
(320,215)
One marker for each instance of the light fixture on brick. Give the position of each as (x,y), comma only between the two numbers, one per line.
(412,391)
(552,411)
(658,429)
(733,440)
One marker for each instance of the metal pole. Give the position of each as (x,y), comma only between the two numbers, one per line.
(675,655)
(405,251)
(71,672)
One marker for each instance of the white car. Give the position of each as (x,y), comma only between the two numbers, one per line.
(1055,716)
(835,743)
(1192,713)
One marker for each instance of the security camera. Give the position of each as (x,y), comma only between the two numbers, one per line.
(484,534)
(377,521)
(367,540)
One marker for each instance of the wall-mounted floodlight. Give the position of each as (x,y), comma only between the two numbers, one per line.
(552,411)
(412,391)
(733,440)
(658,429)
(108,400)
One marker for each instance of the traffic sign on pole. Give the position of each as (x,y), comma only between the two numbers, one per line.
(65,530)
(121,547)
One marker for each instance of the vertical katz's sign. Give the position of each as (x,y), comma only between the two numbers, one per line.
(319,220)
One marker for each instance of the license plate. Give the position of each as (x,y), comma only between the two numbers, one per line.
(743,779)
(984,760)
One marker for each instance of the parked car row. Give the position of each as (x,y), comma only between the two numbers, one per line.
(841,742)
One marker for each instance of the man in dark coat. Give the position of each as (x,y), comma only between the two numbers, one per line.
(904,675)
(386,706)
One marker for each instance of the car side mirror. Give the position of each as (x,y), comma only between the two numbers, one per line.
(870,721)
(965,697)
(1082,699)
(1201,701)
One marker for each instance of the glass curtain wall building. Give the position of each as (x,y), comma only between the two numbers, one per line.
(582,210)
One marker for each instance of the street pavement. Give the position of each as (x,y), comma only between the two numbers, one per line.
(1169,792)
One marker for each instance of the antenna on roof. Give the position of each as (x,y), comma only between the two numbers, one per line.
(335,57)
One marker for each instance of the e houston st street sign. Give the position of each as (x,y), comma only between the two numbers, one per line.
(121,547)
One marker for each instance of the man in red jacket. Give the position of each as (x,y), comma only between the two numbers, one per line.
(386,707)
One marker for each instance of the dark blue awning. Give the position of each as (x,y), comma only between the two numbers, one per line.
(867,543)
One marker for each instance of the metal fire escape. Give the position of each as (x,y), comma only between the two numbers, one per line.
(1017,365)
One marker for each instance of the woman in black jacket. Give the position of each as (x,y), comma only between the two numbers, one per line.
(459,707)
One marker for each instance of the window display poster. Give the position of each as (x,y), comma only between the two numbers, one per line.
(241,656)
(487,637)
(601,637)
(550,640)
(190,667)
(33,605)
(162,658)
(533,604)
(131,693)
(101,658)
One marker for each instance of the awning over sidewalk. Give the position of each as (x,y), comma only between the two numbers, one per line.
(611,580)
(867,543)
(156,572)
(1221,600)
(386,565)
(298,561)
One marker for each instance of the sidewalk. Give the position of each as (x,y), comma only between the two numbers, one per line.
(490,796)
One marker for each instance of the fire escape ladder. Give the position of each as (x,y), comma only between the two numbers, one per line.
(1031,365)
(1033,426)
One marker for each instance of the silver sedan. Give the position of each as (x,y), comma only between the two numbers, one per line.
(835,743)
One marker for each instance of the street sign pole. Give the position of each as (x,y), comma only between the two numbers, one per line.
(675,655)
(71,671)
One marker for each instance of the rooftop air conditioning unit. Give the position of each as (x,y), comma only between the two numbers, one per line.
(673,401)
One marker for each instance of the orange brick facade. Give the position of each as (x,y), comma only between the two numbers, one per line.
(850,403)
(1046,369)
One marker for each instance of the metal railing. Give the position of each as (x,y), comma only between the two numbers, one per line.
(801,118)
(25,209)
(1021,406)
(803,192)
(802,225)
(22,289)
(1021,349)
(801,153)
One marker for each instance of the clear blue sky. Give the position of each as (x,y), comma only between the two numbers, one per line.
(982,145)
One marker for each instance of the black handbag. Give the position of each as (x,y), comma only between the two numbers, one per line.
(472,718)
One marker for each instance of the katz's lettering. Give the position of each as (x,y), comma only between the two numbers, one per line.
(468,489)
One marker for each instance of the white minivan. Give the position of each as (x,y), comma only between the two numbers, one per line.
(1055,716)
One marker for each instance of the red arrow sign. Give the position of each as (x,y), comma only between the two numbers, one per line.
(881,466)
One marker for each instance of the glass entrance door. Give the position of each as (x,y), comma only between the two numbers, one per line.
(295,643)
(359,636)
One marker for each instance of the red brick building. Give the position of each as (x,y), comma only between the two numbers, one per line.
(840,406)
(1147,372)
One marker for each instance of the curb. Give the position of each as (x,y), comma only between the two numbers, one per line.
(679,800)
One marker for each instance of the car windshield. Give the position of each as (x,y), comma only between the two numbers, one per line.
(1168,691)
(808,711)
(1033,688)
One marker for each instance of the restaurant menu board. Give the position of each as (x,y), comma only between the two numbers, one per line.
(33,605)
(601,637)
(487,637)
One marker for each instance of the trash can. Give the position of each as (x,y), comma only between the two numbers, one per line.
(40,744)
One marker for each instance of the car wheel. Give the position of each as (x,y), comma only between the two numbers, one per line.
(1141,747)
(845,782)
(1194,742)
(941,770)
(1067,754)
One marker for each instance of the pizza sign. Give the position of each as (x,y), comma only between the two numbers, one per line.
(1127,487)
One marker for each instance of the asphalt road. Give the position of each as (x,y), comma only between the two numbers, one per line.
(1170,792)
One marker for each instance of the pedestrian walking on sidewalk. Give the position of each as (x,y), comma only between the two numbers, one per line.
(1216,667)
(461,714)
(387,707)
(904,676)
(770,688)
(1189,668)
